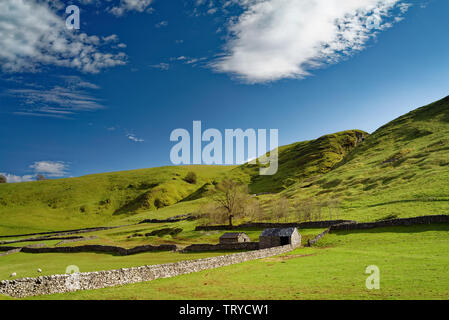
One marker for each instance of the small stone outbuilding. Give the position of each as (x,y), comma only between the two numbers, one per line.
(279,237)
(234,238)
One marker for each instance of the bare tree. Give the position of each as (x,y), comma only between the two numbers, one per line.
(333,206)
(231,199)
(3,179)
(280,209)
(40,177)
(210,214)
(254,210)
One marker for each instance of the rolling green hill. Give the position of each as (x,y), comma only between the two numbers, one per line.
(305,159)
(97,199)
(401,169)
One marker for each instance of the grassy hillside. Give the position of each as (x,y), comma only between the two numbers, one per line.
(306,159)
(111,198)
(402,169)
(97,199)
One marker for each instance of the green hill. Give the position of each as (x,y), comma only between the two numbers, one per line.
(401,169)
(303,160)
(99,198)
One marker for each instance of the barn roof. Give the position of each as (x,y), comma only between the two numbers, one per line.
(232,235)
(278,232)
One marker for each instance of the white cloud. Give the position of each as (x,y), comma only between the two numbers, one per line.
(133,137)
(11,178)
(50,168)
(57,102)
(32,35)
(276,39)
(162,24)
(131,5)
(161,66)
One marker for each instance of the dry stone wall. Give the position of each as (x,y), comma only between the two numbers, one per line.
(102,279)
(261,225)
(94,249)
(222,247)
(392,223)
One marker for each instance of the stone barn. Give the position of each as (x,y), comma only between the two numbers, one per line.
(279,237)
(234,238)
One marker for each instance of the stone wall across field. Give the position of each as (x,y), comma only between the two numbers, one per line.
(222,247)
(95,249)
(95,280)
(262,225)
(311,242)
(348,226)
(392,223)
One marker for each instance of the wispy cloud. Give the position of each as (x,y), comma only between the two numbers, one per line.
(54,169)
(11,178)
(276,39)
(124,6)
(57,102)
(162,24)
(134,138)
(33,35)
(161,66)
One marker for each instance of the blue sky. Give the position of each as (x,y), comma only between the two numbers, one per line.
(106,97)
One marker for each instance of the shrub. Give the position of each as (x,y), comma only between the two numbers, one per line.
(41,177)
(191,177)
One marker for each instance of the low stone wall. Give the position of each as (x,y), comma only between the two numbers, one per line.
(311,242)
(64,232)
(102,279)
(10,252)
(262,225)
(222,247)
(182,217)
(96,249)
(346,226)
(46,238)
(76,240)
(392,223)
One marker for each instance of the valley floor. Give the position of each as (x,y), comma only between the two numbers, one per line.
(412,260)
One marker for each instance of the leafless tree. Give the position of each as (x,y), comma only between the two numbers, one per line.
(3,179)
(280,209)
(231,198)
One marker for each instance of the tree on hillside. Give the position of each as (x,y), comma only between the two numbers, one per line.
(191,177)
(254,210)
(305,210)
(231,199)
(3,179)
(40,177)
(280,209)
(333,206)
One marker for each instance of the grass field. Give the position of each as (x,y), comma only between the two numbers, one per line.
(412,260)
